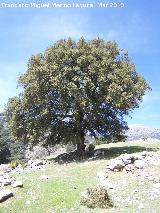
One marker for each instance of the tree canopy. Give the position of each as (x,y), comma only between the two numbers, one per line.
(74,88)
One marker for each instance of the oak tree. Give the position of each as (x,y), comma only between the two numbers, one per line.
(74,88)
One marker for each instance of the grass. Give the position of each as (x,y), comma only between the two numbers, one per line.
(61,192)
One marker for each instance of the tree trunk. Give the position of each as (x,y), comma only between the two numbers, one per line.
(80,144)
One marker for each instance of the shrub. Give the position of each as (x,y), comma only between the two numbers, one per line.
(98,197)
(15,163)
(37,152)
(17,151)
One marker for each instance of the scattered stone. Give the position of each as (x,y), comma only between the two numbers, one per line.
(43,177)
(36,164)
(129,167)
(106,184)
(139,164)
(5,194)
(17,184)
(157,180)
(85,194)
(28,202)
(29,193)
(5,168)
(156,185)
(5,180)
(135,191)
(126,161)
(141,206)
(151,178)
(116,164)
(102,175)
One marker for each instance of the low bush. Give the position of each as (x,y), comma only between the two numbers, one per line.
(97,197)
(17,151)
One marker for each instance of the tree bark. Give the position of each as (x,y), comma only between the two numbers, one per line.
(80,144)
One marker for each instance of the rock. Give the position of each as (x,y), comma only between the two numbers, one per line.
(151,178)
(43,177)
(127,157)
(157,180)
(156,185)
(17,184)
(139,164)
(5,180)
(126,161)
(98,152)
(102,175)
(116,164)
(129,167)
(5,194)
(5,168)
(85,194)
(28,202)
(106,184)
(135,191)
(36,164)
(141,206)
(144,153)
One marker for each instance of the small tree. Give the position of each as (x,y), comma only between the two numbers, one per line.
(74,88)
(9,150)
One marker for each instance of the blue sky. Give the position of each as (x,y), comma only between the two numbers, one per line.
(27,31)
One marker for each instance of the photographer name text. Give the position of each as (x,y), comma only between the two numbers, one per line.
(63,5)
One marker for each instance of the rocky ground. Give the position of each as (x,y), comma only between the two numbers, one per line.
(7,179)
(132,179)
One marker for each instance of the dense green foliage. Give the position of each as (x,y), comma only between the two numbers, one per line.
(4,142)
(9,150)
(74,88)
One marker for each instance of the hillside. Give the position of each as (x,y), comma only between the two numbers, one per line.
(60,192)
(139,131)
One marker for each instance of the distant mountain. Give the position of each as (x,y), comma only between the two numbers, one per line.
(140,131)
